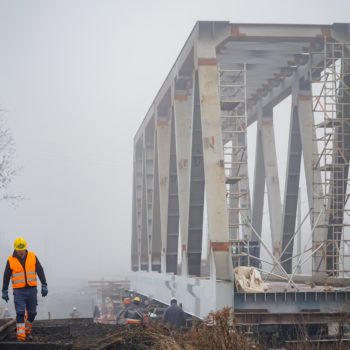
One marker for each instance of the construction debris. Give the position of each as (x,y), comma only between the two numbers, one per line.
(248,279)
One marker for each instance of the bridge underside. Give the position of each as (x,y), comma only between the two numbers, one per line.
(194,216)
(198,296)
(278,305)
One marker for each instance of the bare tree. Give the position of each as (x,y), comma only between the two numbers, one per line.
(7,170)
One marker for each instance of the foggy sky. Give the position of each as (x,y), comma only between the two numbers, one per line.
(76,79)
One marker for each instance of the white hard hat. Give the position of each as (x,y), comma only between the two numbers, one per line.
(74,308)
(173,299)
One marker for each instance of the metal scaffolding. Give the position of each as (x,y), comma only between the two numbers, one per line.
(331,107)
(233,105)
(234,130)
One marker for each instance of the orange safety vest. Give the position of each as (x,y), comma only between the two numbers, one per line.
(19,276)
(145,320)
(132,321)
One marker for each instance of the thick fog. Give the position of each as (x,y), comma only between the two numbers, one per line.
(76,80)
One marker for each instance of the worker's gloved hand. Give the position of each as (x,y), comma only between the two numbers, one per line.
(44,290)
(5,295)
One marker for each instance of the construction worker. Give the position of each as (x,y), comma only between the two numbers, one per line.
(174,315)
(75,313)
(133,315)
(96,313)
(22,268)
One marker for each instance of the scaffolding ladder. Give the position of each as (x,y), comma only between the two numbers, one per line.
(233,103)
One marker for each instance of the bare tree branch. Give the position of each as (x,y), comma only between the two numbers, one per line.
(7,171)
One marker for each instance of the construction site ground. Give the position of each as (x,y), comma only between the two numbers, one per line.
(62,334)
(80,333)
(216,333)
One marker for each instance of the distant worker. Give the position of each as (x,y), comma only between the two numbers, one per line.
(174,315)
(132,313)
(23,267)
(96,313)
(109,308)
(75,313)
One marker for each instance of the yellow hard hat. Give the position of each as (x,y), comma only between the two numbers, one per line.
(137,299)
(20,244)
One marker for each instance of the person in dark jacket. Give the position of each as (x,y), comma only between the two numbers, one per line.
(132,314)
(96,313)
(22,268)
(75,313)
(174,315)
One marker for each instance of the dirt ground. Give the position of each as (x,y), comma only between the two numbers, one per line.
(81,334)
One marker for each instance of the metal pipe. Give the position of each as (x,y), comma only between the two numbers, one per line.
(271,255)
(313,229)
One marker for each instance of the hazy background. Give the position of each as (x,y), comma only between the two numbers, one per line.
(76,80)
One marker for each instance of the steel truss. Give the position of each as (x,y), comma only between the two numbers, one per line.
(194,216)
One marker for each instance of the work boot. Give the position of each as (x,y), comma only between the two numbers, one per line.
(29,326)
(21,331)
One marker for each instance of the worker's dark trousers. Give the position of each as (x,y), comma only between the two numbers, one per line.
(25,298)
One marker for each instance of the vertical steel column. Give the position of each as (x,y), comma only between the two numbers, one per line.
(173,207)
(292,183)
(215,179)
(149,181)
(244,189)
(134,240)
(163,143)
(258,194)
(156,244)
(313,178)
(272,180)
(143,231)
(196,201)
(183,109)
(139,192)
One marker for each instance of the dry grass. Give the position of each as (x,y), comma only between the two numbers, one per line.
(218,332)
(137,338)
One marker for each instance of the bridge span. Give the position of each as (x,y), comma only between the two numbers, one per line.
(197,216)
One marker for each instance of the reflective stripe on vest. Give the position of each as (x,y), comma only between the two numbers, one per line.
(19,276)
(18,282)
(131,321)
